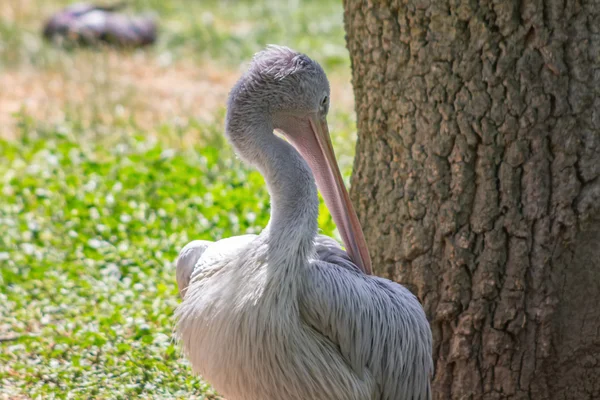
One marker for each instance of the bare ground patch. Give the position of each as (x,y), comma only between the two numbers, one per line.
(104,87)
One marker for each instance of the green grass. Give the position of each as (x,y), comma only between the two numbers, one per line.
(93,210)
(90,234)
(89,237)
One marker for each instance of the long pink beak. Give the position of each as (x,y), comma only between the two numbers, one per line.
(317,150)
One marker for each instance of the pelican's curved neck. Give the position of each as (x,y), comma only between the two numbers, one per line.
(294,200)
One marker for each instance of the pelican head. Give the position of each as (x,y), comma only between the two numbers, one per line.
(287,92)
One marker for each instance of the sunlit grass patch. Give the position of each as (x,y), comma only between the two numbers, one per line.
(89,237)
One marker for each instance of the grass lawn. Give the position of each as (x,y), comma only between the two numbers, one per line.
(110,162)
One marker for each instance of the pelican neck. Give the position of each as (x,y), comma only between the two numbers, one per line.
(290,182)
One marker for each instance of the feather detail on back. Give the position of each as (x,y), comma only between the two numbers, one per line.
(378,325)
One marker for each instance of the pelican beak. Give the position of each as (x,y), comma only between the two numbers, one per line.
(329,180)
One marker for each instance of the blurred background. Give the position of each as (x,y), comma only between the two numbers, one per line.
(111,160)
(201,48)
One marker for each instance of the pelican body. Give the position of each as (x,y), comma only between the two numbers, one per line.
(288,314)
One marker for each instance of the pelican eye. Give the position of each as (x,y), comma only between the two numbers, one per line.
(324,101)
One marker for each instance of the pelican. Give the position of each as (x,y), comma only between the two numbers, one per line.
(288,314)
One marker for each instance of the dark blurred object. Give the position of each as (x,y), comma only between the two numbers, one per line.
(88,24)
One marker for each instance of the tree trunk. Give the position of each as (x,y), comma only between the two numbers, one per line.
(476,181)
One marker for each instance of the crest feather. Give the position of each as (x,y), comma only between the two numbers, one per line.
(278,62)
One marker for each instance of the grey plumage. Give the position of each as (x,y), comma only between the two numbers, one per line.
(288,314)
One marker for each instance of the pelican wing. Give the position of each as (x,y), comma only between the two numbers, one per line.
(378,325)
(198,254)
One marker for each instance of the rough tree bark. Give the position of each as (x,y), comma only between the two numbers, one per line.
(476,181)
